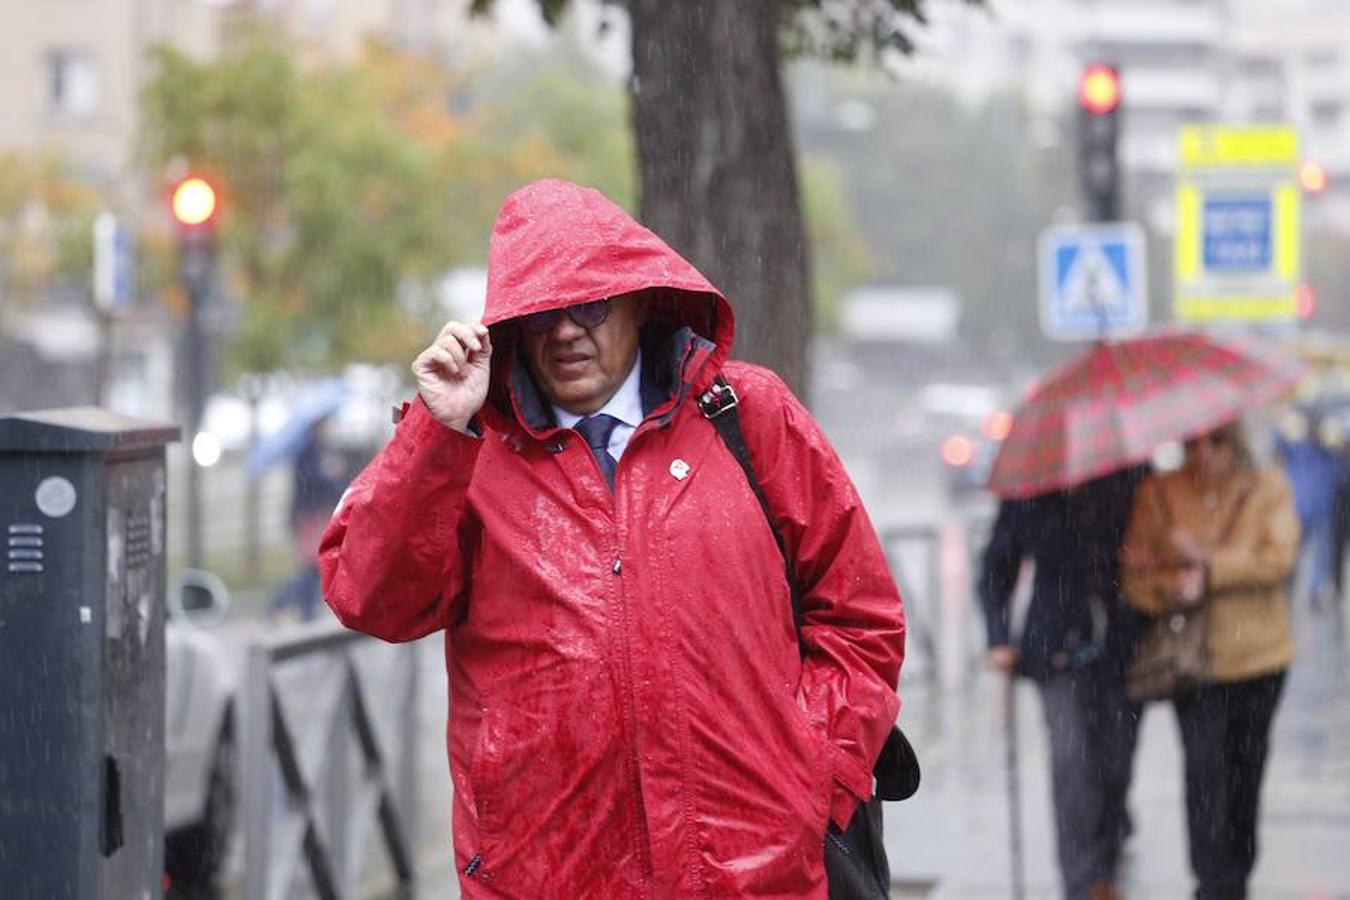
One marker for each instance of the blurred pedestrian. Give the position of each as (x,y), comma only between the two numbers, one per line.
(316,485)
(1314,473)
(1340,525)
(1221,531)
(1334,438)
(634,712)
(1075,642)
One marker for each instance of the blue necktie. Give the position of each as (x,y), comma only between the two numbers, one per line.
(596,430)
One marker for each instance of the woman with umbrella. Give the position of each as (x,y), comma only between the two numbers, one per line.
(1068,474)
(1224,533)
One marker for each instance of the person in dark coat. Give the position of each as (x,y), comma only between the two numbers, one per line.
(1340,528)
(1077,639)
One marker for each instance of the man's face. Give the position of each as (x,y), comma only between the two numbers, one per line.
(580,368)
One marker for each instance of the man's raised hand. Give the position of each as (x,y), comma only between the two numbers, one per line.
(452,374)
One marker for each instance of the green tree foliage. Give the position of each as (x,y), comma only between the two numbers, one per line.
(348,190)
(46,229)
(841,257)
(844,30)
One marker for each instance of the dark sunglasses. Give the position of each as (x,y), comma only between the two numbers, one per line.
(584,315)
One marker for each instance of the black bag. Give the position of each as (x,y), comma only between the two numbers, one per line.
(855,858)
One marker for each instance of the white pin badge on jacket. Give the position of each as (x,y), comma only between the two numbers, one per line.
(679,468)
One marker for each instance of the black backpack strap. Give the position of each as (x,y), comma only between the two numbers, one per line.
(897,768)
(718,404)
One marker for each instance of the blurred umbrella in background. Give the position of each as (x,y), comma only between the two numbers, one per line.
(1113,405)
(315,403)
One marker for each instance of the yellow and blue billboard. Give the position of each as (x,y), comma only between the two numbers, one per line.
(1238,245)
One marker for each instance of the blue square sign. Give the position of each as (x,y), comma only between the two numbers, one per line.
(1237,234)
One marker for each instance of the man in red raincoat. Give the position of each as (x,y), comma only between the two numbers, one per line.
(632,714)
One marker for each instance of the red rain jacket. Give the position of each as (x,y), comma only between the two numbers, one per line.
(630,712)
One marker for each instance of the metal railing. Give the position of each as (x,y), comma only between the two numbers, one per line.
(935,566)
(310,813)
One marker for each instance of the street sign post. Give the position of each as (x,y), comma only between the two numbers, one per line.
(1237,251)
(114,261)
(1094,281)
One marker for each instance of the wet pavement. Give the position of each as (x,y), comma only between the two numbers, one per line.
(951,842)
(953,839)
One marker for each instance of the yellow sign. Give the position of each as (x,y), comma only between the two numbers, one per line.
(1239,236)
(1210,146)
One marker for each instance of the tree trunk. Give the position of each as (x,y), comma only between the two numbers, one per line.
(715,156)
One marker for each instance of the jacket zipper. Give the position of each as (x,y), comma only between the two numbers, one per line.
(616,568)
(644,839)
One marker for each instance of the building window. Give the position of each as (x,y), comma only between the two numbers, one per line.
(72,83)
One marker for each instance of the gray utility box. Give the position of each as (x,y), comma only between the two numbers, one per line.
(82,655)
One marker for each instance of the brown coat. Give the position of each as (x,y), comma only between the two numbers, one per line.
(1249,619)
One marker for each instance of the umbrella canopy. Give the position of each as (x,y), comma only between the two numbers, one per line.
(1113,405)
(315,403)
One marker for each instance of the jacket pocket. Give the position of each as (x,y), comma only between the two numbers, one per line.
(818,760)
(483,771)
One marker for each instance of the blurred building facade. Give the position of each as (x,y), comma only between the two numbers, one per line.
(71,70)
(1181,61)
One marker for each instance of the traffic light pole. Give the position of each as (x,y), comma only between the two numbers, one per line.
(197,275)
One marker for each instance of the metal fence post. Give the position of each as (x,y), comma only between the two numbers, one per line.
(336,780)
(256,774)
(407,781)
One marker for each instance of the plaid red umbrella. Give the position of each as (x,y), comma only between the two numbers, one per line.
(1113,405)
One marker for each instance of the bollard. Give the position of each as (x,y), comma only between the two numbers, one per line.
(82,654)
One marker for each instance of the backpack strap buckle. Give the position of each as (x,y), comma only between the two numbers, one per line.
(718,399)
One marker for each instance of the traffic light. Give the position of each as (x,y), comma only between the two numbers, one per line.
(193,205)
(1098,132)
(194,202)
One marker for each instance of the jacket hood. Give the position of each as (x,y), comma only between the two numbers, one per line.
(556,244)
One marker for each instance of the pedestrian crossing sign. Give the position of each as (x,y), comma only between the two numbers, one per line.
(1093,281)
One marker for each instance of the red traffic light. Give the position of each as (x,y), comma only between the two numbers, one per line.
(194,201)
(1312,177)
(1099,89)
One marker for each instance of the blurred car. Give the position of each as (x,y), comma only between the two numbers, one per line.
(970,421)
(968,455)
(201,788)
